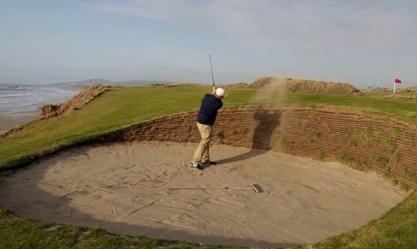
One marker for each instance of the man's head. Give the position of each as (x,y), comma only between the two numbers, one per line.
(220,93)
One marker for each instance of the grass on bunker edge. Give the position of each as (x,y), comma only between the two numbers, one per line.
(21,233)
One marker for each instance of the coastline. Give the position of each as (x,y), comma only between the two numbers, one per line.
(20,104)
(10,120)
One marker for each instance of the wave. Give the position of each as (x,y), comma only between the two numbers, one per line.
(30,98)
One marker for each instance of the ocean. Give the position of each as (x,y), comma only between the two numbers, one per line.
(29,98)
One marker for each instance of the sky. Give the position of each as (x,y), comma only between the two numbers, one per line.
(366,43)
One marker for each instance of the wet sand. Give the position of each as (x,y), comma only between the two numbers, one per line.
(149,189)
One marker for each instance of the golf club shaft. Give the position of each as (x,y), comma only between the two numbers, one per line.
(212,74)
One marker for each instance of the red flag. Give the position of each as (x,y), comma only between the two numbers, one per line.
(397,80)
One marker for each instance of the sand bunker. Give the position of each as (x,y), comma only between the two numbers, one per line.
(135,189)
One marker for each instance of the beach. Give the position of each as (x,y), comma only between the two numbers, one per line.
(20,104)
(12,120)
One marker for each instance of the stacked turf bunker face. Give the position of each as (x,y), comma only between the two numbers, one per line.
(365,142)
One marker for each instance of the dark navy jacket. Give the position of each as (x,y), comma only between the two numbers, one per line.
(208,109)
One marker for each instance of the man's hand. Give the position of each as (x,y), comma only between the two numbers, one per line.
(213,90)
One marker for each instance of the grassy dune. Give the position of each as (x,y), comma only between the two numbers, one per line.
(122,107)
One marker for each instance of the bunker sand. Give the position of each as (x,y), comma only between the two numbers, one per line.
(148,189)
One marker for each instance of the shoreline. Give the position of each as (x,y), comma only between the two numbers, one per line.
(10,120)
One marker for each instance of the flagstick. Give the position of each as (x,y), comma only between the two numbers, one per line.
(393,91)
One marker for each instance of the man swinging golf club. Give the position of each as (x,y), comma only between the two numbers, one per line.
(206,117)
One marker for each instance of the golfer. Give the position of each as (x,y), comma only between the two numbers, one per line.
(210,104)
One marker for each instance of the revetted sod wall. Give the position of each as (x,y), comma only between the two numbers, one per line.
(364,142)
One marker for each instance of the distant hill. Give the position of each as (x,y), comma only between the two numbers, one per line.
(84,82)
(78,85)
(81,84)
(236,85)
(140,82)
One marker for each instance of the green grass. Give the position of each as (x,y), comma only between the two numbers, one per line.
(396,229)
(115,109)
(122,107)
(396,108)
(22,233)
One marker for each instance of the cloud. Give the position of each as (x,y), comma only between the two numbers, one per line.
(325,24)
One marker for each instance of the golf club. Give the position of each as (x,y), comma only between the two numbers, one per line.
(212,74)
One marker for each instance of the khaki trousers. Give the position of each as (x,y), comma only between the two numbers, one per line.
(202,153)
